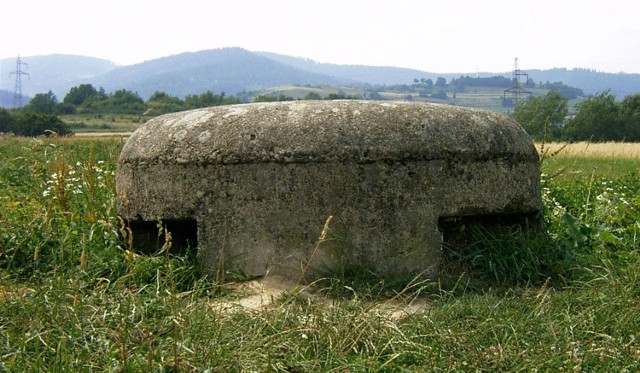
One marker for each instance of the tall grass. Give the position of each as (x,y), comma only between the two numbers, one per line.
(74,296)
(607,150)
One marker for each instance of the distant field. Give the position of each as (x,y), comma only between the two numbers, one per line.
(80,123)
(103,134)
(299,92)
(487,98)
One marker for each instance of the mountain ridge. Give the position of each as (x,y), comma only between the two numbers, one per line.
(229,70)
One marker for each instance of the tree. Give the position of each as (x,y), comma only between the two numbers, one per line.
(160,103)
(78,95)
(597,119)
(630,117)
(440,95)
(267,98)
(564,90)
(120,101)
(6,120)
(208,99)
(312,96)
(125,97)
(441,82)
(43,103)
(340,96)
(428,84)
(539,114)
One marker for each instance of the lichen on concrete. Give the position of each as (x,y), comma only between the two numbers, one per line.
(260,180)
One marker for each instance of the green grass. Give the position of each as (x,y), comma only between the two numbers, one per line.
(73,297)
(576,169)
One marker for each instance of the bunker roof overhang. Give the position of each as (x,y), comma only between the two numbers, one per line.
(328,131)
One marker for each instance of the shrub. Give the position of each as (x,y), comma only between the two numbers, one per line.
(33,124)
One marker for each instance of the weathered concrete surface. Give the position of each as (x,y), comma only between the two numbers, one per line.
(260,180)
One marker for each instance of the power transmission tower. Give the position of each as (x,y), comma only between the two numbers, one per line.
(17,92)
(516,91)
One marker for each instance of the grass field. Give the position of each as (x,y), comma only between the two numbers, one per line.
(74,297)
(96,123)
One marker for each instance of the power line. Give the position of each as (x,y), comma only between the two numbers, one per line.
(17,91)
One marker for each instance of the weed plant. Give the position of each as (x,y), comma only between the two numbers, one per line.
(74,295)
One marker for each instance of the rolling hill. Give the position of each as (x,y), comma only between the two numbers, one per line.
(374,75)
(234,70)
(229,70)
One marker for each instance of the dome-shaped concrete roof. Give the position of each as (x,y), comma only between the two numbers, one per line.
(325,131)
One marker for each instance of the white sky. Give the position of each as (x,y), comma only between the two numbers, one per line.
(430,35)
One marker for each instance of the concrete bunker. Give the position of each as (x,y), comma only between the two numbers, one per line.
(255,183)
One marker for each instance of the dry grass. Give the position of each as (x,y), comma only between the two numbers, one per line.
(618,150)
(103,134)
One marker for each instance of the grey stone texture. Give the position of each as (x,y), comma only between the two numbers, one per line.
(260,180)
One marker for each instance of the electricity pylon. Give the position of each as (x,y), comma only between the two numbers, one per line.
(17,92)
(516,91)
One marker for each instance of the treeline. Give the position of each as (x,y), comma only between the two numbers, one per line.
(462,83)
(86,99)
(39,116)
(598,118)
(564,90)
(440,89)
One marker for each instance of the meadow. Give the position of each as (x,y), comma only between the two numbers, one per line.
(75,296)
(92,124)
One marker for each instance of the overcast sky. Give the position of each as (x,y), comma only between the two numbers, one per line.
(434,36)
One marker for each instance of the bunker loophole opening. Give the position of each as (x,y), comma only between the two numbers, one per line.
(149,236)
(458,231)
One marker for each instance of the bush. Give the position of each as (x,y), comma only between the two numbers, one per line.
(441,95)
(33,124)
(6,120)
